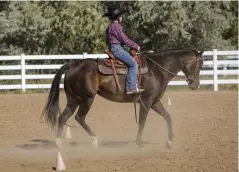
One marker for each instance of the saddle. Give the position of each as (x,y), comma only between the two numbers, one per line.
(113,66)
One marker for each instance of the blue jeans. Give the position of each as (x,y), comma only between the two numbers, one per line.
(132,76)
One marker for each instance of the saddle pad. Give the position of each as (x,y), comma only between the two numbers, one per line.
(122,70)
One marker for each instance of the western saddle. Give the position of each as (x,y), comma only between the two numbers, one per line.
(114,63)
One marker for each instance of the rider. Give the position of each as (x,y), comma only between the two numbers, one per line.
(116,39)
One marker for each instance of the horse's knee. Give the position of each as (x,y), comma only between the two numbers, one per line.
(79,119)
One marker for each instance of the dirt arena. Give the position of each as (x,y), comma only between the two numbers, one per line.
(204,123)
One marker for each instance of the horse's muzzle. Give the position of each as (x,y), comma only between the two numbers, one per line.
(194,85)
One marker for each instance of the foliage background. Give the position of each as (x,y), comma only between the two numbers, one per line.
(74,27)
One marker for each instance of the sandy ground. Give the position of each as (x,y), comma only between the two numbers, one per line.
(204,123)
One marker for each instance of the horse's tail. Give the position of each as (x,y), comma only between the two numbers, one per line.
(51,108)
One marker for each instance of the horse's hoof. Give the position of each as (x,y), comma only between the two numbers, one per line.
(140,145)
(169,144)
(95,141)
(59,142)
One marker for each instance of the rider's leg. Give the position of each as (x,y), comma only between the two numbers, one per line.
(131,80)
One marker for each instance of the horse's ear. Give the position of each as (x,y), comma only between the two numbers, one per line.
(201,52)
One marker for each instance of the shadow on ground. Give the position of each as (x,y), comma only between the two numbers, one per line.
(47,144)
(38,143)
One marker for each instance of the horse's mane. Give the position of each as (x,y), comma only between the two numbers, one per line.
(168,51)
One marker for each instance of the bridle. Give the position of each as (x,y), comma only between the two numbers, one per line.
(188,79)
(199,62)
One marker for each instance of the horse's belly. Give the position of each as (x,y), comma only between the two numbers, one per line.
(120,97)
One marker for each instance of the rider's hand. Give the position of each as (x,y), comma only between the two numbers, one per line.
(138,48)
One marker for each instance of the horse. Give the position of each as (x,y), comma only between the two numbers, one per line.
(83,82)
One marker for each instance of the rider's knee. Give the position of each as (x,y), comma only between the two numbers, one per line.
(133,63)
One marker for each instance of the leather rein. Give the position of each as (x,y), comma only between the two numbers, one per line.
(188,80)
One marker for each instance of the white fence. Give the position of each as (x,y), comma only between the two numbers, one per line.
(211,67)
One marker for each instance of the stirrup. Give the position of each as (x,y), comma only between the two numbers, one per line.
(137,91)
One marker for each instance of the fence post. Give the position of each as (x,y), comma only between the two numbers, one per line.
(84,55)
(224,69)
(215,75)
(23,71)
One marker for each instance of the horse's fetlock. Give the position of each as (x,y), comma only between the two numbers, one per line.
(61,121)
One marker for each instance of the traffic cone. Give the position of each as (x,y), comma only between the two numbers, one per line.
(169,101)
(60,165)
(68,133)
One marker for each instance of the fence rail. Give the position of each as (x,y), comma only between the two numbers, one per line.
(211,67)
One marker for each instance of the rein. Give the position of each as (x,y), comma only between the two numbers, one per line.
(184,77)
(174,74)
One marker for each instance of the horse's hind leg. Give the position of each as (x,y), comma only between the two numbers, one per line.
(80,117)
(159,108)
(65,115)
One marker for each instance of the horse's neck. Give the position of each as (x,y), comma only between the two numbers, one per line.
(174,65)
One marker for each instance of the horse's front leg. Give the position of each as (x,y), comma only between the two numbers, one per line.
(159,108)
(145,105)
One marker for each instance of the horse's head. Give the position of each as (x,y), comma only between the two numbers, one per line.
(191,68)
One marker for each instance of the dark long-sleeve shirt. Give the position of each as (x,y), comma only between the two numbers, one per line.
(116,35)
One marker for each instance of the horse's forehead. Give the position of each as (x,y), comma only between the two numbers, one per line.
(191,59)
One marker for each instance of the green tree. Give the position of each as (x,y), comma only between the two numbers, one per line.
(208,23)
(74,27)
(164,25)
(53,28)
(231,33)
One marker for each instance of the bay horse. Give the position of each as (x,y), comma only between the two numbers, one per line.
(83,82)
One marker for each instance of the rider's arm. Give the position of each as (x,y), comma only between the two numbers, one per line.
(125,39)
